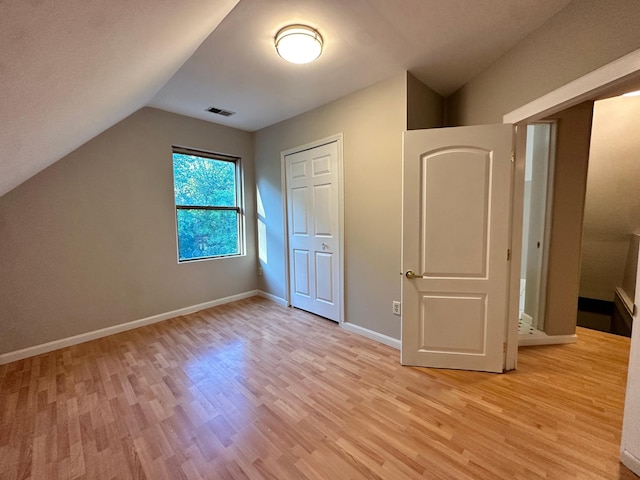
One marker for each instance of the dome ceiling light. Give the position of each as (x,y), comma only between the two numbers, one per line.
(298,44)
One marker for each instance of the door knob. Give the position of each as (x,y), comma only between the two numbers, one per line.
(411,275)
(324,246)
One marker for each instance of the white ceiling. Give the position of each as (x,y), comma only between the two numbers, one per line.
(443,43)
(71,69)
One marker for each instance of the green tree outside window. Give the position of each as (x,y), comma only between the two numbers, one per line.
(207,205)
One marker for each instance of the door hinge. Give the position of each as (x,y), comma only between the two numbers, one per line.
(508,254)
(504,347)
(513,156)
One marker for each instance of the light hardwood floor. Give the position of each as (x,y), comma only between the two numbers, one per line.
(254,390)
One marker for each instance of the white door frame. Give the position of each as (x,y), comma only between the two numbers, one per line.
(584,88)
(338,138)
(587,87)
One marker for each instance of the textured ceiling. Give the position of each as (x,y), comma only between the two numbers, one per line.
(71,69)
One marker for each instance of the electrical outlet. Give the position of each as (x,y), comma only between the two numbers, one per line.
(396,308)
(259,271)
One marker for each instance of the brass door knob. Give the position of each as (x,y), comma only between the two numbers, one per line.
(411,275)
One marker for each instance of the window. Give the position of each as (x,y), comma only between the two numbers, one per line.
(207,192)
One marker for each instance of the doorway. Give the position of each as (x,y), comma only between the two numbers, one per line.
(312,176)
(611,218)
(538,195)
(614,78)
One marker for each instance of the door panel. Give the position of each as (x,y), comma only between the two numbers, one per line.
(299,206)
(298,170)
(324,267)
(456,213)
(323,205)
(455,208)
(465,317)
(313,224)
(322,165)
(301,279)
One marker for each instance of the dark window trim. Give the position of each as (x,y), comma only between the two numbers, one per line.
(205,154)
(205,207)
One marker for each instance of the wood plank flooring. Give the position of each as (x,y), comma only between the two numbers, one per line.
(252,390)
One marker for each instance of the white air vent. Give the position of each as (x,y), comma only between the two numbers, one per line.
(220,111)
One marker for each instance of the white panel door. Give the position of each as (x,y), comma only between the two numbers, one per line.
(455,240)
(313,224)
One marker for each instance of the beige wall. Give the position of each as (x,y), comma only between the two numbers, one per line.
(612,209)
(424,106)
(582,37)
(570,180)
(372,121)
(90,242)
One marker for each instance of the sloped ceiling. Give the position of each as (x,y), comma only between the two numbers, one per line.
(444,43)
(70,69)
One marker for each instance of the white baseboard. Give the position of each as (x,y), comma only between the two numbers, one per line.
(530,340)
(365,332)
(123,327)
(630,461)
(273,298)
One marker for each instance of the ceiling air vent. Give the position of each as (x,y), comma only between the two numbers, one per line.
(220,111)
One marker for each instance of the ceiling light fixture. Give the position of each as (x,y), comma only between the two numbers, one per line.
(298,44)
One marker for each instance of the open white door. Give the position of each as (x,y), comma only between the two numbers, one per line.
(455,246)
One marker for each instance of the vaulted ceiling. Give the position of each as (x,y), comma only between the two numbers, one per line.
(71,69)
